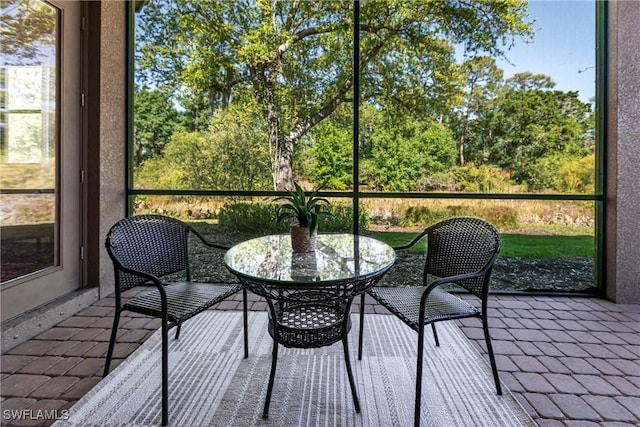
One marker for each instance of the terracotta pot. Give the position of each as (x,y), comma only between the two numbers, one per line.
(301,241)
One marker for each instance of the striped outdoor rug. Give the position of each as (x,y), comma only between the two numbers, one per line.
(212,385)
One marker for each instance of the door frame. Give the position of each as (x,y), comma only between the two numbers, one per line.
(34,290)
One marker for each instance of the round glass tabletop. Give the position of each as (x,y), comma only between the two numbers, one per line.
(337,258)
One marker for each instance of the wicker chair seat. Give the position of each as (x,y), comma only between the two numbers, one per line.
(184,300)
(404,302)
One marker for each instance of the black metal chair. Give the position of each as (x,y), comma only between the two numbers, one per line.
(460,251)
(144,249)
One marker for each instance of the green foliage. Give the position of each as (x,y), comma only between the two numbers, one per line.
(471,118)
(182,165)
(401,155)
(294,58)
(255,217)
(231,155)
(544,173)
(422,216)
(259,87)
(261,218)
(303,210)
(481,179)
(530,121)
(578,175)
(564,174)
(332,157)
(514,123)
(155,120)
(240,150)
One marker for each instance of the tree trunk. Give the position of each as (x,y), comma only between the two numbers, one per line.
(283,170)
(282,147)
(462,149)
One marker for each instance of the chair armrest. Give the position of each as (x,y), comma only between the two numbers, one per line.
(412,242)
(452,279)
(148,276)
(206,242)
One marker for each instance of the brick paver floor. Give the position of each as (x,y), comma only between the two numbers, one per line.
(569,361)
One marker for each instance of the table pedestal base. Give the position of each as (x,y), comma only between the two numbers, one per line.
(309,324)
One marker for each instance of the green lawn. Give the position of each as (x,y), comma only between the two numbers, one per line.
(517,245)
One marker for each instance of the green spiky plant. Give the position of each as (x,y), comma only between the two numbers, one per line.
(302,209)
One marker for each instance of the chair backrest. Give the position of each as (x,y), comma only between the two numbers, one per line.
(152,244)
(463,245)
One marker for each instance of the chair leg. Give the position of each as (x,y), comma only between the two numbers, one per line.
(361,333)
(492,359)
(416,414)
(435,334)
(112,342)
(347,360)
(165,371)
(274,359)
(178,330)
(246,323)
(272,375)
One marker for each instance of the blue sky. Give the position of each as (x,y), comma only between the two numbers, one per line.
(563,47)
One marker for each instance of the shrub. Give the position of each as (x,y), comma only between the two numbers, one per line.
(564,174)
(331,154)
(422,216)
(544,173)
(252,217)
(502,217)
(482,179)
(404,156)
(341,219)
(231,155)
(578,175)
(261,217)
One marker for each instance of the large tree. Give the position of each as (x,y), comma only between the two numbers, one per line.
(295,57)
(472,119)
(154,122)
(531,120)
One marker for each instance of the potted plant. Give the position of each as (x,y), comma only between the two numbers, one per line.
(304,212)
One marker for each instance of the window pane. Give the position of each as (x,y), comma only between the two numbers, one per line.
(243,95)
(476,97)
(447,106)
(547,246)
(29,137)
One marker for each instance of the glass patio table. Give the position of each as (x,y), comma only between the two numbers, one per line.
(309,295)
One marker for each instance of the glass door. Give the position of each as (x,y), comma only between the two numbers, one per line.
(40,153)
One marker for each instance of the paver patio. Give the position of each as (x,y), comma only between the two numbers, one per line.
(569,361)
